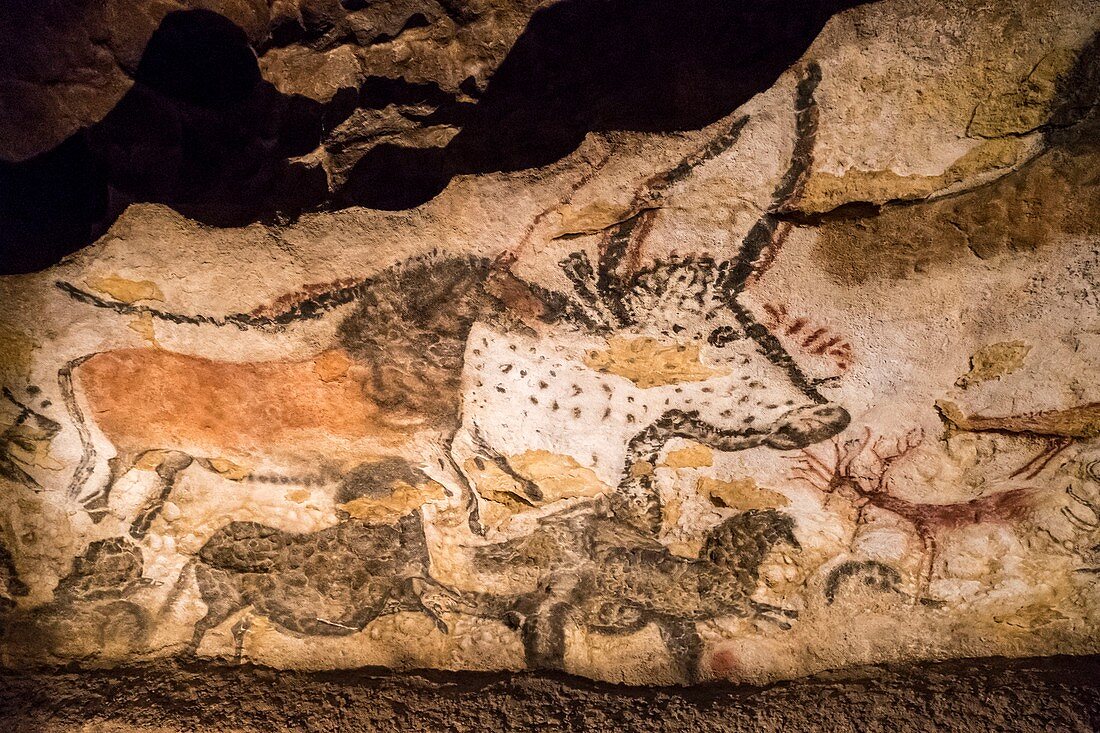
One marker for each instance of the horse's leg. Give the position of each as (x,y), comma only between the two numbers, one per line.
(473,509)
(222,600)
(685,646)
(168,472)
(240,629)
(96,504)
(430,597)
(485,451)
(768,612)
(1039,462)
(924,576)
(544,636)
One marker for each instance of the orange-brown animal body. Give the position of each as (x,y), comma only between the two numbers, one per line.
(388,385)
(304,411)
(1005,506)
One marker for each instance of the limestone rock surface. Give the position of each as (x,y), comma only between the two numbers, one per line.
(649,342)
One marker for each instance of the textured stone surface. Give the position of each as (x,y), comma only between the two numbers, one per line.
(759,344)
(985,695)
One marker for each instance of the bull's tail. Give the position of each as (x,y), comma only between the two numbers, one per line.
(310,306)
(86,465)
(240,320)
(134,309)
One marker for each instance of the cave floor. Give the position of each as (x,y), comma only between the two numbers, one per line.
(1039,694)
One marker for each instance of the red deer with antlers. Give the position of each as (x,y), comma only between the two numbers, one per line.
(838,477)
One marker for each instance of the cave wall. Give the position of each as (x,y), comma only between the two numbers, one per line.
(654,343)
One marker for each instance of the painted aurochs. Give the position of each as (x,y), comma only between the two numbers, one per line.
(426,331)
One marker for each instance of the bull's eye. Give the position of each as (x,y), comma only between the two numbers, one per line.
(723,335)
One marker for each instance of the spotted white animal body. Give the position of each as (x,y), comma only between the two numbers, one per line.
(673,357)
(571,395)
(638,355)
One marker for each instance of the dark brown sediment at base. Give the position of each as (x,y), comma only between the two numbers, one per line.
(996,694)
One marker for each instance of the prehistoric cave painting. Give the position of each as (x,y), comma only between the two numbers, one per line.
(388,385)
(442,367)
(25,442)
(1089,516)
(392,382)
(633,394)
(868,488)
(1082,511)
(1058,428)
(870,574)
(11,586)
(97,607)
(802,335)
(107,568)
(605,575)
(331,583)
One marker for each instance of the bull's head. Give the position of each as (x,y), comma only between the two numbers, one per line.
(735,382)
(627,366)
(635,356)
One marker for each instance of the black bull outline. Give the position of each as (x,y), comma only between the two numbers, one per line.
(607,284)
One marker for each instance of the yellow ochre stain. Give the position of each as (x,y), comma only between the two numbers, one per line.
(648,362)
(404,499)
(693,456)
(143,325)
(125,290)
(557,476)
(298,495)
(331,365)
(994,361)
(742,493)
(825,191)
(228,469)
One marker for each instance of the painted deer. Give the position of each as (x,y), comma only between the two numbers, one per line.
(837,476)
(422,336)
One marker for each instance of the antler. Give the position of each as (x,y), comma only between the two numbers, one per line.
(828,474)
(886,461)
(814,470)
